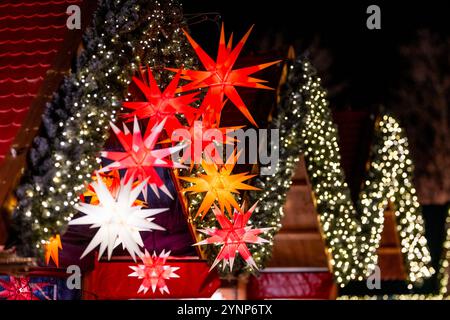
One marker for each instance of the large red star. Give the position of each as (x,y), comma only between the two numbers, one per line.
(233,236)
(221,79)
(161,105)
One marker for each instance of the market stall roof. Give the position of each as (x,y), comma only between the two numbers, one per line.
(36,50)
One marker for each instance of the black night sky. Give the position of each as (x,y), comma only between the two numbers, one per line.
(366,60)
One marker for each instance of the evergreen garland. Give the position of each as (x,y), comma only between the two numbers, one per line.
(306,127)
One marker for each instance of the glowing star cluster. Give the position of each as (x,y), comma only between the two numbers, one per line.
(221,79)
(118,219)
(219,184)
(154,272)
(233,236)
(140,158)
(161,105)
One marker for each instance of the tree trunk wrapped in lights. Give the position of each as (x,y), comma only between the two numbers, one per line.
(124,35)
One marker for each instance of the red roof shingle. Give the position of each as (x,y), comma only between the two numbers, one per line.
(31,34)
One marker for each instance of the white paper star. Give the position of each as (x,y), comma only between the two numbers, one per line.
(118,220)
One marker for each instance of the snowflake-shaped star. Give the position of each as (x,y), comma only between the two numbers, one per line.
(233,236)
(119,220)
(219,184)
(20,288)
(140,157)
(221,79)
(154,272)
(161,105)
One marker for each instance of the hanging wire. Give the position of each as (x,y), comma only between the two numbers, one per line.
(202,17)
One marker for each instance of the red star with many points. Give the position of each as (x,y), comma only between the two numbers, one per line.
(161,105)
(221,79)
(140,156)
(203,139)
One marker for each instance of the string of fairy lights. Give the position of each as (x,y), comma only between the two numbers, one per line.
(332,196)
(389,180)
(442,277)
(122,35)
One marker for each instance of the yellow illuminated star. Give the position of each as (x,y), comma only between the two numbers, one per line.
(219,185)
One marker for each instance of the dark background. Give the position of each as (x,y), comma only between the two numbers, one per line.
(366,60)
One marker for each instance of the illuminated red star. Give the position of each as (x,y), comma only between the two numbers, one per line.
(140,156)
(20,288)
(154,272)
(233,236)
(202,140)
(221,79)
(161,105)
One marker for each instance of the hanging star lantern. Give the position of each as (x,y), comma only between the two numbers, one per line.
(219,184)
(140,158)
(233,236)
(160,106)
(203,139)
(112,181)
(20,288)
(52,248)
(154,272)
(118,220)
(221,79)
